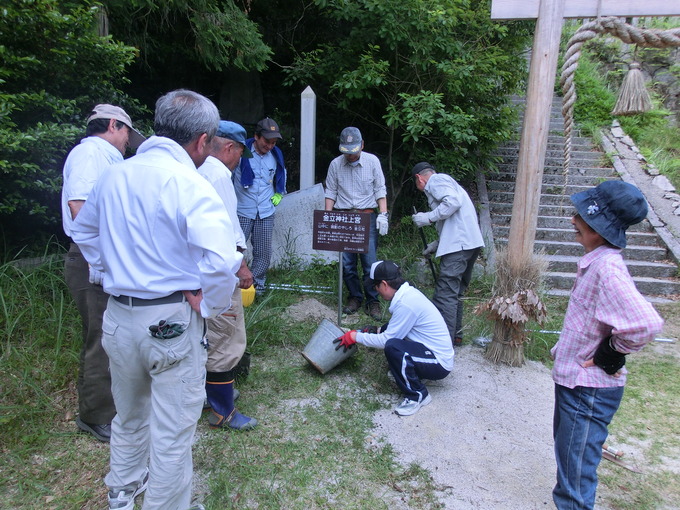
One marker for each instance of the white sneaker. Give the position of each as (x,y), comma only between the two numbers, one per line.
(409,407)
(124,499)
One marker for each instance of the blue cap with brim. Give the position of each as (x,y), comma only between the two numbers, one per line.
(235,132)
(610,208)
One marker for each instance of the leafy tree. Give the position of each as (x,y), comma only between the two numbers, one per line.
(186,43)
(53,68)
(429,78)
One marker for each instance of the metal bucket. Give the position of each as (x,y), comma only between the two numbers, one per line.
(320,351)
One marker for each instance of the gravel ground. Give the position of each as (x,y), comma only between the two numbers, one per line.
(486,438)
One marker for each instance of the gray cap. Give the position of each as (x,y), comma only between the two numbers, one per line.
(108,111)
(350,140)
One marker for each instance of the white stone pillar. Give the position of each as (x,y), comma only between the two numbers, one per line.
(307,138)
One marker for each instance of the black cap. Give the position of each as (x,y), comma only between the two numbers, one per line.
(419,167)
(268,128)
(382,270)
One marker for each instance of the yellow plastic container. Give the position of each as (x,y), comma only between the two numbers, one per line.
(248,295)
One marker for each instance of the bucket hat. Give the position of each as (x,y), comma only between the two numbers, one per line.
(610,208)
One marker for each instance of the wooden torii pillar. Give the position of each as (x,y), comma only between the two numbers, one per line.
(550,15)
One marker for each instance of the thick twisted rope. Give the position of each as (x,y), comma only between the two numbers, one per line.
(646,38)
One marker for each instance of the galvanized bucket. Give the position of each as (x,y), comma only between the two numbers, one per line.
(320,351)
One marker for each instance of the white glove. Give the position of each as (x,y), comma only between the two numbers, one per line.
(431,248)
(382,224)
(421,219)
(96,277)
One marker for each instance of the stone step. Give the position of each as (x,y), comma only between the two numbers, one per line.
(556,143)
(561,235)
(577,157)
(558,169)
(574,249)
(548,178)
(647,286)
(564,222)
(567,264)
(546,188)
(507,197)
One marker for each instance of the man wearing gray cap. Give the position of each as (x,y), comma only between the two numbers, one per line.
(227,332)
(355,183)
(109,132)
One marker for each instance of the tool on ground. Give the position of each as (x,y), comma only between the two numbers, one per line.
(617,460)
(422,236)
(613,455)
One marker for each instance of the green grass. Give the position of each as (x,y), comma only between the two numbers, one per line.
(314,448)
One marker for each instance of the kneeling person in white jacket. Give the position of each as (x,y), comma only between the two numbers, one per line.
(416,340)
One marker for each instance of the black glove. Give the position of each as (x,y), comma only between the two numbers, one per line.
(607,358)
(369,329)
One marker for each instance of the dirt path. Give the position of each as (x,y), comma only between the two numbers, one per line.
(486,436)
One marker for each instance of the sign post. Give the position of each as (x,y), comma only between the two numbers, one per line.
(341,231)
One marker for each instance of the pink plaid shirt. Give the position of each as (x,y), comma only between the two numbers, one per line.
(603,302)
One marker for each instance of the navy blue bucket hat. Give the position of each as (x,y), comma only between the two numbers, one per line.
(610,208)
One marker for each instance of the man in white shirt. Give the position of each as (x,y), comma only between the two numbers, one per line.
(416,340)
(109,132)
(227,332)
(459,244)
(163,240)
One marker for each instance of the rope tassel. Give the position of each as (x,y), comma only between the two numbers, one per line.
(633,97)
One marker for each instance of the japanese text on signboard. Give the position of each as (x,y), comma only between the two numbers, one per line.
(341,231)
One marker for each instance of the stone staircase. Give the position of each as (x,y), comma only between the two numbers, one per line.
(647,258)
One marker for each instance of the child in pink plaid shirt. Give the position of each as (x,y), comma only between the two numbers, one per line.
(607,318)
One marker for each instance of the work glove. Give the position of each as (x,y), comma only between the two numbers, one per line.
(345,341)
(382,224)
(96,277)
(276,198)
(431,248)
(370,329)
(421,219)
(608,358)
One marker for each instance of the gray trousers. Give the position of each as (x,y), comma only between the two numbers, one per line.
(95,402)
(455,273)
(159,387)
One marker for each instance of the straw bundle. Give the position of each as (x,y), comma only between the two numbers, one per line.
(633,97)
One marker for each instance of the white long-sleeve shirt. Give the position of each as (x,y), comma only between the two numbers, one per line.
(454,213)
(154,226)
(415,318)
(219,176)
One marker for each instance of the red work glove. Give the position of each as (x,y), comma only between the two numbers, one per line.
(345,340)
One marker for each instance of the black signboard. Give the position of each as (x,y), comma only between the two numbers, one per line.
(341,231)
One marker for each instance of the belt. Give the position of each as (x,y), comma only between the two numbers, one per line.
(175,297)
(357,210)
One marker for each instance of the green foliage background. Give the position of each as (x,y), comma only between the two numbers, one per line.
(54,68)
